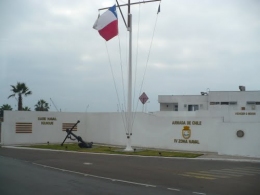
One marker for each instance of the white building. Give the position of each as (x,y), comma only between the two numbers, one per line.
(212,101)
(226,122)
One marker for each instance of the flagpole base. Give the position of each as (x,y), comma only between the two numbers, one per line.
(128,145)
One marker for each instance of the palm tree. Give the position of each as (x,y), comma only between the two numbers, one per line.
(4,107)
(20,89)
(42,106)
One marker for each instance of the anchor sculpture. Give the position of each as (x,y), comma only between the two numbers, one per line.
(82,143)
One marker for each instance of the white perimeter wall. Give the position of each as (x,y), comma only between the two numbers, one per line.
(156,130)
(40,133)
(229,143)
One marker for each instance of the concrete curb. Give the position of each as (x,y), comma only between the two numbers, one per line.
(230,159)
(216,158)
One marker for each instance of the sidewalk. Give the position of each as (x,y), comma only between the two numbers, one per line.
(206,155)
(215,156)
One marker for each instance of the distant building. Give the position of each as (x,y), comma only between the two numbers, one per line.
(211,101)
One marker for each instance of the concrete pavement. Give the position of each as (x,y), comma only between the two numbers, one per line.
(192,175)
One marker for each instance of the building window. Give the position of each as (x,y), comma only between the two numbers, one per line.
(253,103)
(224,103)
(176,107)
(214,103)
(193,107)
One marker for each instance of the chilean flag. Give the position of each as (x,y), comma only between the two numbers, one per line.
(107,24)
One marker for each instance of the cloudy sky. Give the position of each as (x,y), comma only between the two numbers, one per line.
(198,45)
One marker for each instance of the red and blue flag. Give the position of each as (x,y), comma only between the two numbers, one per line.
(107,24)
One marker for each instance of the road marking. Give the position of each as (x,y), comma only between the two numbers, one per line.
(225,173)
(198,193)
(237,171)
(207,173)
(46,166)
(248,170)
(252,168)
(142,184)
(100,177)
(86,163)
(216,174)
(173,189)
(203,175)
(199,177)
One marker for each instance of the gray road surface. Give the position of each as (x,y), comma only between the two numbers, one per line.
(112,174)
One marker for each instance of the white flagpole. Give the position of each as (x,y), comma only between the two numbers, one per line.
(129,117)
(129,97)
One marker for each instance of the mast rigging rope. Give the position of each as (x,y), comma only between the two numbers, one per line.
(149,52)
(115,84)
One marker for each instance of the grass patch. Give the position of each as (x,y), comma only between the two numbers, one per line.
(115,150)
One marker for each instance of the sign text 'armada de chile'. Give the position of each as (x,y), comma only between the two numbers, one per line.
(186,122)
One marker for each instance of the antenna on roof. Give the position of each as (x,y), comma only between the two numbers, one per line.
(54,105)
(203,93)
(242,88)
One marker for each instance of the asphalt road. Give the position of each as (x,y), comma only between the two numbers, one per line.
(85,173)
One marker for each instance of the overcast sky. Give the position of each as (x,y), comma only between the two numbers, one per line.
(198,45)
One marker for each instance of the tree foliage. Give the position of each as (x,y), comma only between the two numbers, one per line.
(26,108)
(4,107)
(20,90)
(41,105)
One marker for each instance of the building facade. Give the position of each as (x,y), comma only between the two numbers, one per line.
(223,122)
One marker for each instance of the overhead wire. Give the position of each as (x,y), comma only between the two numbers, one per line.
(137,49)
(148,57)
(112,72)
(123,85)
